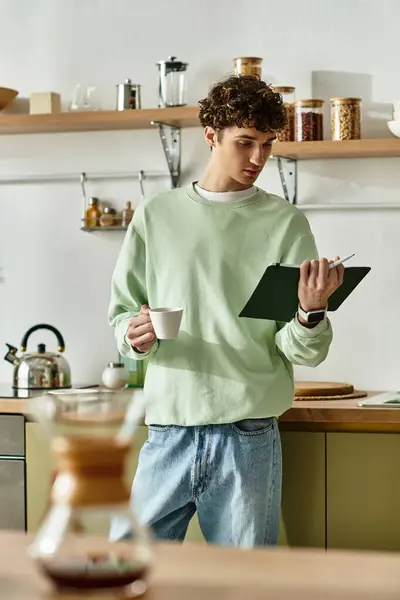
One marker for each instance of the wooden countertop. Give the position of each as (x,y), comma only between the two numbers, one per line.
(13,406)
(201,572)
(320,415)
(340,415)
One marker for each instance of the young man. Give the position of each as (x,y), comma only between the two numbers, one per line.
(215,392)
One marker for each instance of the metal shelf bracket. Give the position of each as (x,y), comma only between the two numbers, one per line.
(288,174)
(171,141)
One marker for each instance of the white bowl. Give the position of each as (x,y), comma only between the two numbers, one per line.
(394,127)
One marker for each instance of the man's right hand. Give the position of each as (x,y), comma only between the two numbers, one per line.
(140,331)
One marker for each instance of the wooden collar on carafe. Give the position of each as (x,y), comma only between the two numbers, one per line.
(90,471)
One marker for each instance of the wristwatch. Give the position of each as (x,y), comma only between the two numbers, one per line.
(313,316)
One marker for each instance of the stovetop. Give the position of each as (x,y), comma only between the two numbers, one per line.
(7,391)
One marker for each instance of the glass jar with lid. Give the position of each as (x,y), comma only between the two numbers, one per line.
(248,65)
(93,213)
(346,118)
(309,120)
(109,217)
(288,94)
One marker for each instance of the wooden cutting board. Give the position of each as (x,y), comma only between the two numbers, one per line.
(326,390)
(322,388)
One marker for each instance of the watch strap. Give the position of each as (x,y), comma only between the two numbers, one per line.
(312,316)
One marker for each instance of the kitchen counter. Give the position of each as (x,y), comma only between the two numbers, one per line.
(13,406)
(197,572)
(330,449)
(319,415)
(340,415)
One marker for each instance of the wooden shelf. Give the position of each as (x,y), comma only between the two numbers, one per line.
(105,228)
(348,149)
(101,120)
(185,116)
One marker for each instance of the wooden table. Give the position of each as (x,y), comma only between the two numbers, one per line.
(197,572)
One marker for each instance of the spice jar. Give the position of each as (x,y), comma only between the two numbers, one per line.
(309,120)
(287,93)
(248,65)
(346,118)
(109,217)
(127,214)
(93,213)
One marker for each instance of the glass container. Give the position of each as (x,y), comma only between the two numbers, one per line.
(288,95)
(248,65)
(127,214)
(309,120)
(172,82)
(90,434)
(136,370)
(93,213)
(109,217)
(346,118)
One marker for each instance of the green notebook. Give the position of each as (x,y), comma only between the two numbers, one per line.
(275,297)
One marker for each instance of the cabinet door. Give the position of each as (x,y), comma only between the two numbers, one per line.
(38,474)
(363,487)
(303,490)
(12,494)
(12,435)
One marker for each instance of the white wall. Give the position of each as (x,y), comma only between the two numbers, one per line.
(53,272)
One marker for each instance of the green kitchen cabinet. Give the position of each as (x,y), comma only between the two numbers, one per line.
(363,491)
(303,489)
(302,521)
(303,494)
(39,466)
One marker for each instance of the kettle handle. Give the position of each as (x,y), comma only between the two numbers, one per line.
(60,339)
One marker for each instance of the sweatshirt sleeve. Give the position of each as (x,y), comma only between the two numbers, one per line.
(128,292)
(301,345)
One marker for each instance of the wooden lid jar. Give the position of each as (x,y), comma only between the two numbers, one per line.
(287,134)
(309,120)
(346,118)
(248,65)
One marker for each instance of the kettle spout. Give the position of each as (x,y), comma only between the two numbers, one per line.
(11,355)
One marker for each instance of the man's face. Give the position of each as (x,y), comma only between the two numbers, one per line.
(242,153)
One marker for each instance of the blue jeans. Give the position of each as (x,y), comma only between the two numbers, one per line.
(230,474)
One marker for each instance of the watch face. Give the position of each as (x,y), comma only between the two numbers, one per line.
(314,317)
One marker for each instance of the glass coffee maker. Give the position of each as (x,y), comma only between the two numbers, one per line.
(172,82)
(90,433)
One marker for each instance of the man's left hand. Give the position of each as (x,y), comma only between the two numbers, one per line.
(317,283)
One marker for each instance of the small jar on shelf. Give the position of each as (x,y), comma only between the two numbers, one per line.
(309,120)
(127,214)
(248,65)
(288,94)
(346,118)
(109,217)
(93,213)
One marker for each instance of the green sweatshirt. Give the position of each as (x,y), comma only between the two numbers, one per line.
(183,250)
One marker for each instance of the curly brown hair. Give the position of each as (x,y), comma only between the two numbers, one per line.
(244,101)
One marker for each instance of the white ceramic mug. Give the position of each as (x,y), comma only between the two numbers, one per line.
(166,322)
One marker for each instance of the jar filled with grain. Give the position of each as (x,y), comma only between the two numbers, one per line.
(288,94)
(309,120)
(346,118)
(248,65)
